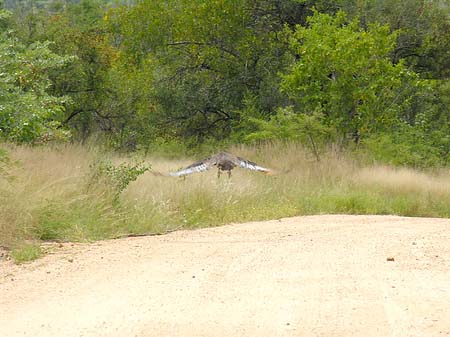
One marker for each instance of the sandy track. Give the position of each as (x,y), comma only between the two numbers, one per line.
(306,276)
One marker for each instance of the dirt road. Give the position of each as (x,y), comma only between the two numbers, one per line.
(306,276)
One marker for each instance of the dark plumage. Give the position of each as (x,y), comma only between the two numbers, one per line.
(224,162)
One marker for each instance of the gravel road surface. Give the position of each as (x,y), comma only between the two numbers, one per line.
(329,275)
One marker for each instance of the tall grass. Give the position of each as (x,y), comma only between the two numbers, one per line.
(45,194)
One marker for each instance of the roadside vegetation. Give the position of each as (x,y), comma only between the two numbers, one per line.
(348,100)
(60,194)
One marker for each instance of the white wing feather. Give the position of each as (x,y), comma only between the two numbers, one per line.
(251,166)
(207,163)
(191,169)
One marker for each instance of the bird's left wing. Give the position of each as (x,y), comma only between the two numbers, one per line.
(247,164)
(199,166)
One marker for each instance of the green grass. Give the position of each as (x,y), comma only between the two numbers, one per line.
(26,253)
(48,194)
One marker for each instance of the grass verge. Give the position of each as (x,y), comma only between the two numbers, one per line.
(26,252)
(48,194)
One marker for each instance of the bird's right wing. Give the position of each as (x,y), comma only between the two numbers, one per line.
(247,164)
(199,166)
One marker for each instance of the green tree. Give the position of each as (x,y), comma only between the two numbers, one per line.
(28,112)
(423,30)
(309,130)
(344,72)
(207,56)
(74,29)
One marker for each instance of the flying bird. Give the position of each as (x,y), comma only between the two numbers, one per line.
(224,162)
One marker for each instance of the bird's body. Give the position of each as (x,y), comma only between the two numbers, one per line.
(223,161)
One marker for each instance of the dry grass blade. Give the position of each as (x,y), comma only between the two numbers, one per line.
(47,198)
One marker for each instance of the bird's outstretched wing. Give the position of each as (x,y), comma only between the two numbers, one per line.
(200,166)
(247,164)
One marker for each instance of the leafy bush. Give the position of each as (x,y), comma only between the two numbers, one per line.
(28,112)
(309,130)
(406,146)
(118,177)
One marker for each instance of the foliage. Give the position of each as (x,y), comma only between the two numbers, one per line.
(423,31)
(118,177)
(77,30)
(344,72)
(177,78)
(406,146)
(422,138)
(205,55)
(28,112)
(193,76)
(287,125)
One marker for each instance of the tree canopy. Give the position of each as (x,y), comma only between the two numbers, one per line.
(137,73)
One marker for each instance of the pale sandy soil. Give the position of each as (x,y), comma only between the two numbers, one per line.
(306,276)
